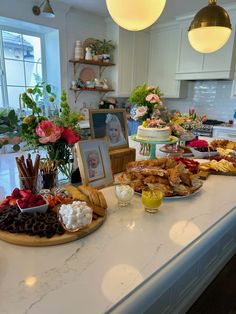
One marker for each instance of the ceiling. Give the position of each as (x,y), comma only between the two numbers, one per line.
(173,7)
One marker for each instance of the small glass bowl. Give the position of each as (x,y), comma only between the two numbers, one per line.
(151,199)
(124,194)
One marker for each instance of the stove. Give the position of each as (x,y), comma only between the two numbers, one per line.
(207,127)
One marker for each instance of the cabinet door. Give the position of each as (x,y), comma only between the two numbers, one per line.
(189,59)
(164,46)
(141,51)
(125,62)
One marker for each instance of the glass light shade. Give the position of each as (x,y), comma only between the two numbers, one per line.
(47,10)
(208,39)
(135,15)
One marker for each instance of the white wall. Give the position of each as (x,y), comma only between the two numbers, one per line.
(72,24)
(80,26)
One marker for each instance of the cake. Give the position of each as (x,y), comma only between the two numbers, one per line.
(153,131)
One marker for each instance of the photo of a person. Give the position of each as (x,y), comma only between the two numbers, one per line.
(114,130)
(94,165)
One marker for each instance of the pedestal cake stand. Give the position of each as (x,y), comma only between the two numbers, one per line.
(172,140)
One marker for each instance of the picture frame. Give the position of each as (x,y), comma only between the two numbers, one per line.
(94,162)
(110,123)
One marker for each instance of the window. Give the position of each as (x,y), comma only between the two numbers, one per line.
(20,64)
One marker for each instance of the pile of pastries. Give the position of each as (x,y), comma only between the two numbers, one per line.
(168,175)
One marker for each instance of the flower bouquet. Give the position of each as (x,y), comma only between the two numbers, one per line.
(56,135)
(147,104)
(184,123)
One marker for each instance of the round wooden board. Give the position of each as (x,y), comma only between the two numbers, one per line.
(26,240)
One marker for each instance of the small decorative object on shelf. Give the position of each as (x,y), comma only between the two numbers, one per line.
(100,85)
(88,54)
(79,50)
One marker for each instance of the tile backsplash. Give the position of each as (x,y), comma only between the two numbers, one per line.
(212,98)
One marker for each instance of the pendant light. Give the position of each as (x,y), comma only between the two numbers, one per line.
(210,28)
(135,15)
(47,10)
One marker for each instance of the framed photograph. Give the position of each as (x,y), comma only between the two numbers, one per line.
(110,123)
(94,162)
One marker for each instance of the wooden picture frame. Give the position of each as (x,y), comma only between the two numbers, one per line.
(110,123)
(94,162)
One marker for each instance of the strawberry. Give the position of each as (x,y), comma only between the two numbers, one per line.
(40,203)
(16,192)
(25,193)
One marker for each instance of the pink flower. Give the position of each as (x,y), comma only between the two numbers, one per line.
(204,118)
(140,112)
(48,131)
(70,136)
(152,98)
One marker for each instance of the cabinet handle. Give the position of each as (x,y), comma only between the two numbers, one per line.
(231,134)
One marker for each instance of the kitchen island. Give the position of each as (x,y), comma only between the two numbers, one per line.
(135,262)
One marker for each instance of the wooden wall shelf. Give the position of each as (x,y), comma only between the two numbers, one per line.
(92,62)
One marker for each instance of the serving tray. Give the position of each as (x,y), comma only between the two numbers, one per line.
(26,240)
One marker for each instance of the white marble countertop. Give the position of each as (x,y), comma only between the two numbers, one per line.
(227,128)
(92,274)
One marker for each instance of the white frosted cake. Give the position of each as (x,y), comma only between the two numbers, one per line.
(152,131)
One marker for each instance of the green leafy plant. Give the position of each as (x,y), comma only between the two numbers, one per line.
(57,134)
(147,104)
(105,46)
(9,128)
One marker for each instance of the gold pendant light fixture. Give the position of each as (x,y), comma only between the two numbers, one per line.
(210,28)
(135,15)
(47,10)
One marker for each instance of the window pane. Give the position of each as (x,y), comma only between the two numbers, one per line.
(15,72)
(32,48)
(12,45)
(13,95)
(33,73)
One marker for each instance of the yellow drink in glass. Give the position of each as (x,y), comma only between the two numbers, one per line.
(151,199)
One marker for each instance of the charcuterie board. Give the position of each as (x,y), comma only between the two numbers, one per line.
(26,240)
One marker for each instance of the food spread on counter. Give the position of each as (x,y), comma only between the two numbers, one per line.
(77,206)
(171,177)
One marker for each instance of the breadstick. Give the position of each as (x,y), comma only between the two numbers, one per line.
(30,165)
(36,165)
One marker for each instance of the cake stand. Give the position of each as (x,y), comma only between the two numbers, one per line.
(172,140)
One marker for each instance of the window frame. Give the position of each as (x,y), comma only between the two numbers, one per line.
(3,79)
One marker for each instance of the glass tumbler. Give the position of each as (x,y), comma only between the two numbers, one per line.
(34,184)
(151,199)
(124,194)
(50,180)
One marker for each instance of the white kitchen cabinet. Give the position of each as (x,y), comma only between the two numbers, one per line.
(192,65)
(228,133)
(163,56)
(131,59)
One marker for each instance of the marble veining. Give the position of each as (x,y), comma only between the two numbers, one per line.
(92,274)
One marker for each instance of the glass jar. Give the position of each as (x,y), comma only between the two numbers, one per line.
(124,194)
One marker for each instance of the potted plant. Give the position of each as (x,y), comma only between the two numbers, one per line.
(105,47)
